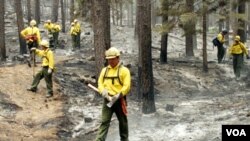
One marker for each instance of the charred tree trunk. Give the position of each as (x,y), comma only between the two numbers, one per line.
(101,32)
(241,22)
(145,57)
(29,10)
(72,9)
(63,16)
(189,28)
(55,10)
(37,12)
(2,31)
(164,36)
(204,36)
(20,25)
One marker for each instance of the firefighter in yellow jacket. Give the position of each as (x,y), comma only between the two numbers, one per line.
(73,33)
(55,31)
(78,30)
(47,68)
(49,27)
(32,35)
(114,82)
(237,50)
(220,47)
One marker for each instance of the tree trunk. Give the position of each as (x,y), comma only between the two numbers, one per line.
(2,31)
(37,12)
(145,57)
(248,19)
(204,35)
(164,37)
(121,11)
(19,15)
(189,29)
(63,16)
(72,9)
(29,10)
(241,22)
(113,12)
(132,14)
(101,32)
(55,10)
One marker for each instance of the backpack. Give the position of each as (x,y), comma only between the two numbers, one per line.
(113,77)
(215,41)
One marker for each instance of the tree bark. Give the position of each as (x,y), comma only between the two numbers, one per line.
(164,36)
(145,57)
(72,9)
(19,15)
(241,22)
(2,31)
(63,16)
(37,12)
(101,32)
(189,29)
(204,35)
(55,10)
(29,10)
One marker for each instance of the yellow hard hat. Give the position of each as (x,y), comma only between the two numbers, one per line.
(112,53)
(32,23)
(72,24)
(237,38)
(75,20)
(44,43)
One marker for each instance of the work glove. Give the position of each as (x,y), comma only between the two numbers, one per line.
(114,99)
(33,49)
(105,94)
(49,71)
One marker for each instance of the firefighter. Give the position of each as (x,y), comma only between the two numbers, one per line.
(237,50)
(56,28)
(49,27)
(47,70)
(73,33)
(32,36)
(115,82)
(78,30)
(220,47)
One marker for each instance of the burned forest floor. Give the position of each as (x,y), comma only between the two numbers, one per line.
(191,105)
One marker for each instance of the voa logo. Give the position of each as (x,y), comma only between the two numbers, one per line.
(236,132)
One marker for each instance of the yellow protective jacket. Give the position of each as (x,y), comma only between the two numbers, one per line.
(48,26)
(221,38)
(78,27)
(73,30)
(238,48)
(108,80)
(56,28)
(47,57)
(29,31)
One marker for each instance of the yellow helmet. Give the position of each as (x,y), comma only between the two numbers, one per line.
(32,23)
(44,43)
(237,38)
(72,23)
(112,53)
(75,20)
